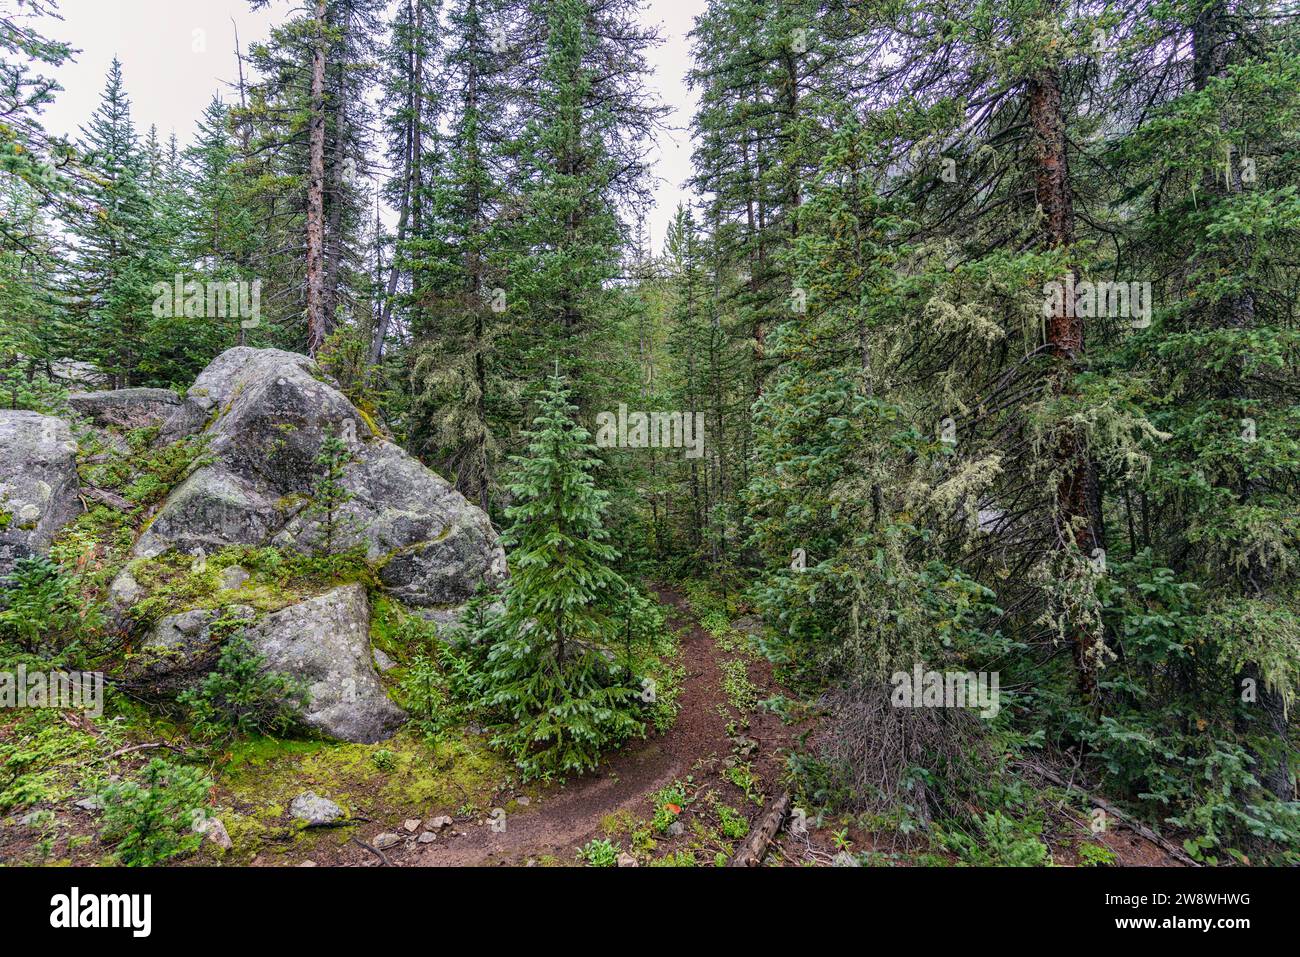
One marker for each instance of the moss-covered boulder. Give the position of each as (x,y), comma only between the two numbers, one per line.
(273,410)
(323,642)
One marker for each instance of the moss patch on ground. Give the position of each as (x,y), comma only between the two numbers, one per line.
(406,776)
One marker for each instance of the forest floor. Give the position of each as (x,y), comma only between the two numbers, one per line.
(712,745)
(687,797)
(724,751)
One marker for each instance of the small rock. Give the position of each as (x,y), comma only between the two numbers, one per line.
(308,863)
(233,578)
(383,662)
(314,809)
(676,829)
(523,800)
(30,818)
(412,825)
(386,840)
(440,822)
(428,837)
(216,832)
(627,860)
(92,803)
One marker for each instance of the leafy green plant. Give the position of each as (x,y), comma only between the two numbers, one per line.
(1001,841)
(1096,855)
(423,690)
(733,824)
(41,609)
(669,803)
(599,853)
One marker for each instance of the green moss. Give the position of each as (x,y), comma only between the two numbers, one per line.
(416,546)
(262,776)
(369,420)
(5,518)
(173,582)
(42,759)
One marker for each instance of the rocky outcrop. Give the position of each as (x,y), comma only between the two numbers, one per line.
(38,483)
(324,642)
(273,412)
(264,416)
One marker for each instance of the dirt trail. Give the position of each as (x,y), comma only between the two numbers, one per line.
(564,819)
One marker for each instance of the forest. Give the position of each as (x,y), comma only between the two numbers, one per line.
(374,492)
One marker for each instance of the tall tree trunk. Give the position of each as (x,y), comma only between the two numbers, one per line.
(244,151)
(1077,491)
(415,60)
(316,192)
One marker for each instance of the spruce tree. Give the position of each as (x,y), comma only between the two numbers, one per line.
(115,256)
(550,682)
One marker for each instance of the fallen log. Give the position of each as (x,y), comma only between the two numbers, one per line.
(1135,826)
(754,847)
(105,497)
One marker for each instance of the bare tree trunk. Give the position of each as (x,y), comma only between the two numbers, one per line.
(316,192)
(243,131)
(415,100)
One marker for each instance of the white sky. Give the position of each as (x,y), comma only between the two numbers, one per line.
(176,53)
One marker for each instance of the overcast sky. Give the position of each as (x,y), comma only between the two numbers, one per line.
(176,53)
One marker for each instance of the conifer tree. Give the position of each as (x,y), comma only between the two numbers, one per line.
(558,698)
(114,263)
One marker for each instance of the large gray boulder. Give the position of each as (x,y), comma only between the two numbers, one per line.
(126,409)
(323,642)
(38,483)
(273,410)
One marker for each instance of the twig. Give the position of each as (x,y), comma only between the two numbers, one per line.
(373,850)
(139,747)
(1140,829)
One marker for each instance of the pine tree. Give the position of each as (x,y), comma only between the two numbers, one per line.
(558,698)
(1207,161)
(576,160)
(25,148)
(456,316)
(116,257)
